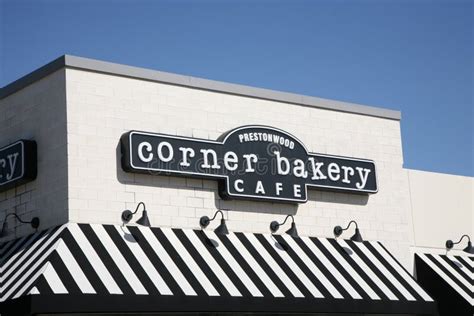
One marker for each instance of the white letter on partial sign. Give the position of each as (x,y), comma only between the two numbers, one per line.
(12,161)
(3,163)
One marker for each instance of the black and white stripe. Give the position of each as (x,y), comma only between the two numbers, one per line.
(456,271)
(115,260)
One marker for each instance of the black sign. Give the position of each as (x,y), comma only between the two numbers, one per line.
(253,162)
(17,164)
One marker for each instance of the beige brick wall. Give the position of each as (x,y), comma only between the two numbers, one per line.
(37,112)
(442,208)
(101,107)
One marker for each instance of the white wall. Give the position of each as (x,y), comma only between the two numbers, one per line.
(101,107)
(37,112)
(442,207)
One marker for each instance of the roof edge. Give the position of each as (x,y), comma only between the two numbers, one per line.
(32,77)
(93,65)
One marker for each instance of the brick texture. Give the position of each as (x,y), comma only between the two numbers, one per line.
(37,112)
(100,108)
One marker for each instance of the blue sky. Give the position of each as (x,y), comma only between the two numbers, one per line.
(413,56)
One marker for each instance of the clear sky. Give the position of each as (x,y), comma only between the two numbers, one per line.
(413,56)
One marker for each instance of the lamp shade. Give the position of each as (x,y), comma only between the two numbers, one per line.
(469,248)
(144,221)
(222,228)
(293,232)
(357,236)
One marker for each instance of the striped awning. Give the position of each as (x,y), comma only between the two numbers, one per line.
(449,279)
(107,268)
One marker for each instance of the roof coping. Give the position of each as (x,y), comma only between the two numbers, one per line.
(98,66)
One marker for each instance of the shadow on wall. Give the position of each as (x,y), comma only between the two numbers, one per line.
(172,182)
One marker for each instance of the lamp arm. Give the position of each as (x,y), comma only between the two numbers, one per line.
(136,209)
(215,214)
(17,217)
(348,225)
(460,239)
(292,218)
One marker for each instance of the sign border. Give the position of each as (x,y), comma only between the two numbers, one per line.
(221,140)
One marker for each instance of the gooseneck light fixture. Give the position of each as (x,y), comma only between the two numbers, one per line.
(356,237)
(274,226)
(35,222)
(127,216)
(204,221)
(469,249)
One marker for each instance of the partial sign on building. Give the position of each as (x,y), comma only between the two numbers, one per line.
(250,162)
(17,164)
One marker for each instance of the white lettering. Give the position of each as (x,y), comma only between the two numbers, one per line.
(206,153)
(148,149)
(249,159)
(281,160)
(12,160)
(185,151)
(347,171)
(364,175)
(299,170)
(334,171)
(316,166)
(259,188)
(278,188)
(230,158)
(297,190)
(3,162)
(160,151)
(237,185)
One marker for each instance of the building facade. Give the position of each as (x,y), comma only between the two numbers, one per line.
(77,110)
